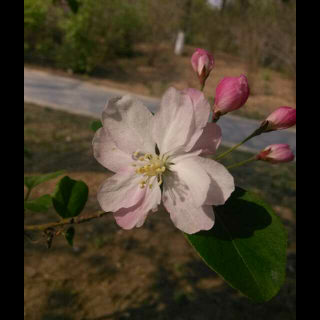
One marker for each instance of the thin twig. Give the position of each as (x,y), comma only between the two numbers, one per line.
(75,220)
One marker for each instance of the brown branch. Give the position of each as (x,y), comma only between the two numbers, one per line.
(75,220)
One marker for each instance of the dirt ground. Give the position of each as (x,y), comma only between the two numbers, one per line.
(270,89)
(146,273)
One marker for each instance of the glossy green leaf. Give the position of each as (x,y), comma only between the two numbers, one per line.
(42,204)
(33,181)
(69,235)
(70,197)
(95,125)
(246,246)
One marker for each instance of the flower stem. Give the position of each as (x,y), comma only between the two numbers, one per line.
(254,134)
(216,116)
(254,158)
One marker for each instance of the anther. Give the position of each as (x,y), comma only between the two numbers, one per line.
(136,154)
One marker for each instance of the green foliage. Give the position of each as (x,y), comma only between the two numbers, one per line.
(84,35)
(70,197)
(42,204)
(42,30)
(74,5)
(33,181)
(34,13)
(100,30)
(95,125)
(81,38)
(34,19)
(246,247)
(69,235)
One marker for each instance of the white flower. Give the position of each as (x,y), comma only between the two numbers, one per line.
(150,152)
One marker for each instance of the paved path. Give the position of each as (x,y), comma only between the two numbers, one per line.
(82,97)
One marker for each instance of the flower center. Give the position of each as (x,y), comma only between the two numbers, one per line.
(149,165)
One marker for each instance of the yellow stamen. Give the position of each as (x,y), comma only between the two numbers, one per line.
(156,167)
(159,171)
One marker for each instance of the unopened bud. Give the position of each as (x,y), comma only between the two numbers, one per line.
(231,94)
(276,153)
(280,119)
(202,62)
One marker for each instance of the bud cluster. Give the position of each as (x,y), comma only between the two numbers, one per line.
(231,94)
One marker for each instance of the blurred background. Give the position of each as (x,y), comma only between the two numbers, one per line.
(132,43)
(143,47)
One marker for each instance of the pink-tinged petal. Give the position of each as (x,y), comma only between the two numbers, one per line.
(120,191)
(129,123)
(209,141)
(276,153)
(107,153)
(282,118)
(186,216)
(127,218)
(196,180)
(173,121)
(231,94)
(201,107)
(221,182)
(135,216)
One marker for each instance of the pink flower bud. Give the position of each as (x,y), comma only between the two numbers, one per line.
(276,153)
(202,62)
(231,94)
(281,118)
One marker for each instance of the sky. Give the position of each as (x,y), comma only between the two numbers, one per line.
(216,3)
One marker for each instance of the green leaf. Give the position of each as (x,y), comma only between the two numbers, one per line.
(246,246)
(95,125)
(70,197)
(41,204)
(70,235)
(33,181)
